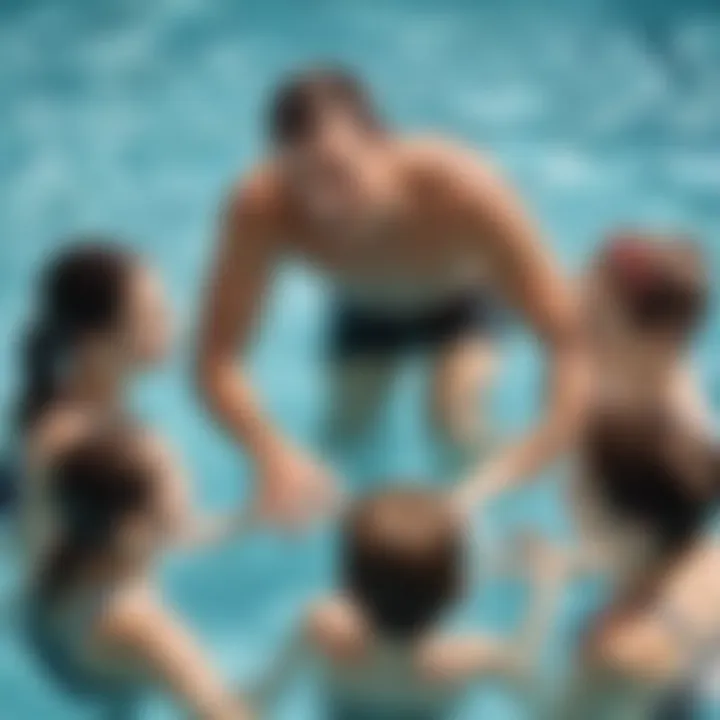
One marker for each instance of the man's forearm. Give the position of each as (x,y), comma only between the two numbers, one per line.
(555,434)
(564,417)
(232,401)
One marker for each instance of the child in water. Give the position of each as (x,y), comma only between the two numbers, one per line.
(647,473)
(381,638)
(100,318)
(95,619)
(637,496)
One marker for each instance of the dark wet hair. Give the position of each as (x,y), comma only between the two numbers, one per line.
(297,107)
(663,285)
(403,560)
(82,291)
(653,469)
(96,485)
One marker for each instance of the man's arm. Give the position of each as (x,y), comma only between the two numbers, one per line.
(235,292)
(500,229)
(292,487)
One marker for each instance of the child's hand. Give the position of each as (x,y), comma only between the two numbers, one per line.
(544,562)
(456,660)
(441,662)
(337,630)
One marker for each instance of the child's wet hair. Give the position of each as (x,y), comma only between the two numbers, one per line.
(655,469)
(82,291)
(403,560)
(662,282)
(96,485)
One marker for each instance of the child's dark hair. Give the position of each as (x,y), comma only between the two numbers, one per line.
(297,107)
(655,470)
(403,560)
(82,291)
(663,284)
(95,485)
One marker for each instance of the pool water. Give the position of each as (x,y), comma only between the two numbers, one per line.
(134,117)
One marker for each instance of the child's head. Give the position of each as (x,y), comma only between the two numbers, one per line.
(104,494)
(659,285)
(95,302)
(655,467)
(403,560)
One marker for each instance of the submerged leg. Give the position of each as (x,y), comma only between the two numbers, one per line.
(464,374)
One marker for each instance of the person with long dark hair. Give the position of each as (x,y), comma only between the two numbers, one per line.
(100,318)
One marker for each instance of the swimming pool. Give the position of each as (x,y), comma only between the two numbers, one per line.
(134,117)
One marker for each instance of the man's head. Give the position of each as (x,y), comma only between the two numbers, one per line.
(403,560)
(326,128)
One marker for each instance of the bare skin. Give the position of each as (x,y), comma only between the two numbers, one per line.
(137,631)
(440,217)
(465,372)
(643,645)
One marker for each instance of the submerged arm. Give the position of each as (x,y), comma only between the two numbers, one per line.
(693,404)
(290,658)
(184,527)
(153,641)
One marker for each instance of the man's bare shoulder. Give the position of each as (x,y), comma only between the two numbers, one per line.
(446,169)
(258,196)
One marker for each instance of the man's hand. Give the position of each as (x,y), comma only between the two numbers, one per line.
(293,487)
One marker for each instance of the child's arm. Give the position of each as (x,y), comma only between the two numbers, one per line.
(159,645)
(331,629)
(692,402)
(464,658)
(457,660)
(285,664)
(184,527)
(202,532)
(549,568)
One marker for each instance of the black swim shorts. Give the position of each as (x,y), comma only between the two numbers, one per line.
(359,331)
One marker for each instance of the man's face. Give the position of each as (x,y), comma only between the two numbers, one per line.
(335,171)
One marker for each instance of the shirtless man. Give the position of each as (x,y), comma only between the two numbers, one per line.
(412,230)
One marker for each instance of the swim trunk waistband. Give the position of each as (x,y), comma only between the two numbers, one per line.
(358,330)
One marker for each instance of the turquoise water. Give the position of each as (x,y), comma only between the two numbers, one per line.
(134,117)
